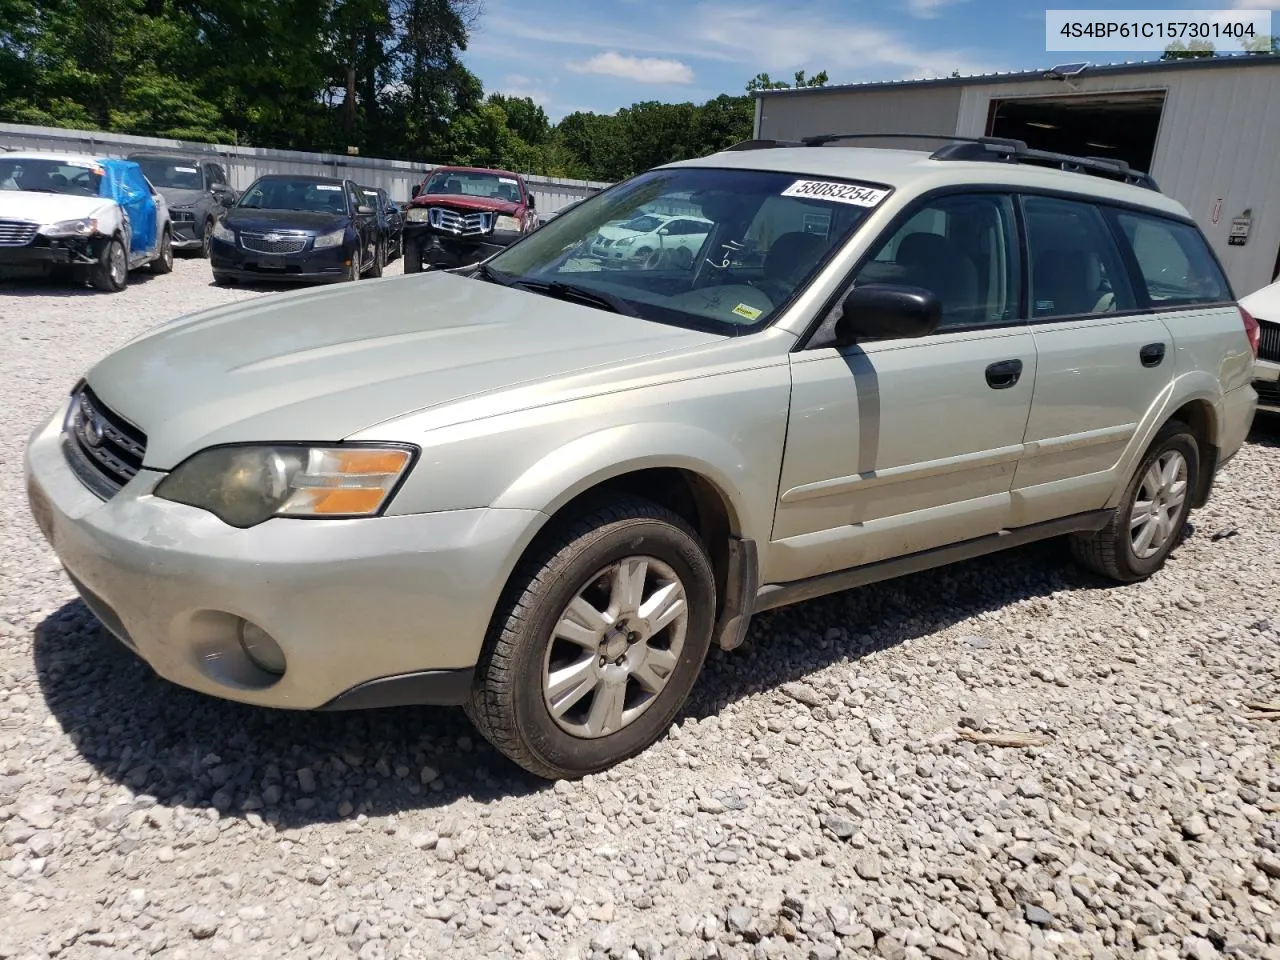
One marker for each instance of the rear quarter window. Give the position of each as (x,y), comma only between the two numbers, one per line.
(1174,261)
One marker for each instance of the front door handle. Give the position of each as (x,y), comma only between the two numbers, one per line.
(1003,375)
(1151,354)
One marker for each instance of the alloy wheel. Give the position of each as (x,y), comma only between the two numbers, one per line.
(614,647)
(1158,504)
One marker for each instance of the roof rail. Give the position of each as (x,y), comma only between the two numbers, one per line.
(993,149)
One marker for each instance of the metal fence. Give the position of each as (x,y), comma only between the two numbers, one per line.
(246,164)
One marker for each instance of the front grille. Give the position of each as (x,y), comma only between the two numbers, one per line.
(1269,347)
(182,216)
(273,242)
(1268,392)
(16,233)
(460,224)
(103,449)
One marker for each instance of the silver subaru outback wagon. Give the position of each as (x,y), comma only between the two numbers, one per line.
(541,488)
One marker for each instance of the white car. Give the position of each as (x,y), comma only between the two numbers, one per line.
(1264,306)
(651,240)
(95,217)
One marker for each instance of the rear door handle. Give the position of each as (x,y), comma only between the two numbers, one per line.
(1004,374)
(1151,354)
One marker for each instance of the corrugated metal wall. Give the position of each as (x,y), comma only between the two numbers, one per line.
(245,164)
(898,110)
(1219,139)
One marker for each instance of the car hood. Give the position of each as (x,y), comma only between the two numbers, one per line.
(459,202)
(181,196)
(247,218)
(47,207)
(321,365)
(1264,304)
(617,233)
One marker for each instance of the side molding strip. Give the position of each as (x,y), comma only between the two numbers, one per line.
(773,595)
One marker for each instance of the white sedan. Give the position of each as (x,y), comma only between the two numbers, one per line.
(651,240)
(1264,306)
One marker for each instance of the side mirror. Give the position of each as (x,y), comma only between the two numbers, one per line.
(532,202)
(886,311)
(417,189)
(364,210)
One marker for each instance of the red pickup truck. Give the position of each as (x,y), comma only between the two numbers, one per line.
(462,215)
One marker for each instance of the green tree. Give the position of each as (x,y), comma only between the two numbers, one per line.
(1188,51)
(1262,45)
(762,81)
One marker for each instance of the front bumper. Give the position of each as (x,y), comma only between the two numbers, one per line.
(44,252)
(185,232)
(310,266)
(375,612)
(448,250)
(1267,385)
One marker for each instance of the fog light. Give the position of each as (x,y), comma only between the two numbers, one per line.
(261,649)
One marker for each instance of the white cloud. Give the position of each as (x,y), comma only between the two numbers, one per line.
(927,9)
(640,69)
(518,85)
(854,51)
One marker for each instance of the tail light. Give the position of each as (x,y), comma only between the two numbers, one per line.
(1253,331)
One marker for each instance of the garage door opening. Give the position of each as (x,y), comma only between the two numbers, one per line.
(1121,126)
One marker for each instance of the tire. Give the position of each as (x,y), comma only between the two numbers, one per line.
(412,258)
(111,273)
(649,674)
(164,262)
(353,271)
(206,240)
(1166,476)
(682,258)
(222,280)
(379,260)
(645,258)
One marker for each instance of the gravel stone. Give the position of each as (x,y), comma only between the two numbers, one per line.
(813,799)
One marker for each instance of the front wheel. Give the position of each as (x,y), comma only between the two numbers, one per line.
(379,260)
(597,641)
(111,273)
(412,257)
(206,240)
(1148,522)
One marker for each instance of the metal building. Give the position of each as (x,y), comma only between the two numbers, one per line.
(1208,130)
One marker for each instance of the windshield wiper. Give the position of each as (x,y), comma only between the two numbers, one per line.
(568,291)
(497,276)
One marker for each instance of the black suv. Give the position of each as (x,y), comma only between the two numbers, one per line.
(196,191)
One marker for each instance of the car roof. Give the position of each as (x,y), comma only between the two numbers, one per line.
(160,155)
(72,158)
(917,171)
(301,176)
(500,173)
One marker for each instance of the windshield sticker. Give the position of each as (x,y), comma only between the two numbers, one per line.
(839,192)
(751,313)
(186,169)
(327,186)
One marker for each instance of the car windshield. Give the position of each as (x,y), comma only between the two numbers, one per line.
(174,174)
(49,176)
(290,193)
(490,186)
(721,250)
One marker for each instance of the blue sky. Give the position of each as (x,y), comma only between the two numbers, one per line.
(582,55)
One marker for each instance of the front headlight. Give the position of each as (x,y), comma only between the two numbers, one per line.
(625,242)
(327,240)
(417,215)
(224,233)
(243,486)
(507,223)
(84,227)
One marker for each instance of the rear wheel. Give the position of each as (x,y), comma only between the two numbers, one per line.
(163,263)
(206,239)
(111,273)
(597,641)
(1148,522)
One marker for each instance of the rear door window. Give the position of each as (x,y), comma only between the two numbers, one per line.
(1076,269)
(1174,262)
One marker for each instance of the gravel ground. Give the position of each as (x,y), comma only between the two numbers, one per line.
(822,797)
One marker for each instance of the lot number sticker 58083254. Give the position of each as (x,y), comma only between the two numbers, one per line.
(834,190)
